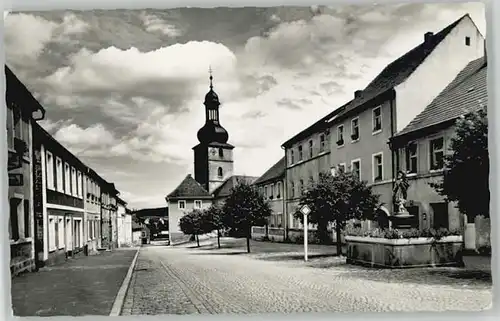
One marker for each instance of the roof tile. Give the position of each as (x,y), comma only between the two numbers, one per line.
(189,188)
(276,171)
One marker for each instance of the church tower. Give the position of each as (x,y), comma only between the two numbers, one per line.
(213,156)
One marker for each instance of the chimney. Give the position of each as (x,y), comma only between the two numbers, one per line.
(357,93)
(428,37)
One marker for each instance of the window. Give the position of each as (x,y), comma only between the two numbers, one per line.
(219,172)
(333,171)
(73,182)
(356,168)
(292,158)
(377,167)
(27,219)
(60,233)
(411,158)
(221,153)
(67,179)
(278,190)
(301,187)
(437,153)
(79,184)
(292,189)
(301,156)
(310,148)
(355,129)
(467,41)
(181,204)
(377,119)
(197,204)
(10,128)
(322,143)
(52,234)
(50,171)
(59,175)
(341,167)
(340,135)
(89,228)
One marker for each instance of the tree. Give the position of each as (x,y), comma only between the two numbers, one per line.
(191,224)
(244,208)
(466,175)
(337,199)
(212,220)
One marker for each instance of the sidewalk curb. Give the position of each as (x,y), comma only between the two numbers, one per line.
(122,292)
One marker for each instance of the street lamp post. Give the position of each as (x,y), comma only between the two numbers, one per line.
(305,210)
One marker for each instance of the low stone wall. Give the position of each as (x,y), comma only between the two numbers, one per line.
(21,258)
(404,253)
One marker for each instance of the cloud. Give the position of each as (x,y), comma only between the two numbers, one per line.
(26,35)
(155,24)
(124,89)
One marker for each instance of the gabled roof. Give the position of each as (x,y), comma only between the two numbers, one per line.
(16,90)
(466,93)
(225,188)
(391,76)
(276,171)
(189,188)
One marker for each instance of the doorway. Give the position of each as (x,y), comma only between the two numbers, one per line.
(440,215)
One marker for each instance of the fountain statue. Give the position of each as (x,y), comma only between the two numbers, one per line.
(402,219)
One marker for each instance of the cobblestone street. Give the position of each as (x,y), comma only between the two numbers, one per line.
(179,280)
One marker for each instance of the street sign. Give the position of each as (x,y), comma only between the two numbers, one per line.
(16,180)
(305,210)
(14,161)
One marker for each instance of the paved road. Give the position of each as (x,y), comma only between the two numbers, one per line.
(184,280)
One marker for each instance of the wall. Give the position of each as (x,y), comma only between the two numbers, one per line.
(449,57)
(420,193)
(175,214)
(275,198)
(214,162)
(21,217)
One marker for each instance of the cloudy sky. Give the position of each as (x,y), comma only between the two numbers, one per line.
(124,89)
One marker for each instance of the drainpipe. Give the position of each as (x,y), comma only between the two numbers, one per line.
(394,153)
(285,196)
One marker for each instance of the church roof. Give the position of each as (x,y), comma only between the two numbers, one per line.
(225,189)
(189,188)
(276,171)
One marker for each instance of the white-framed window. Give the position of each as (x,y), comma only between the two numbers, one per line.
(82,181)
(292,157)
(59,175)
(181,205)
(79,183)
(74,187)
(197,204)
(467,41)
(61,232)
(356,168)
(292,189)
(50,171)
(10,128)
(411,158)
(322,143)
(377,119)
(378,167)
(333,171)
(311,148)
(355,129)
(67,179)
(301,186)
(52,234)
(437,153)
(341,167)
(278,190)
(340,135)
(301,154)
